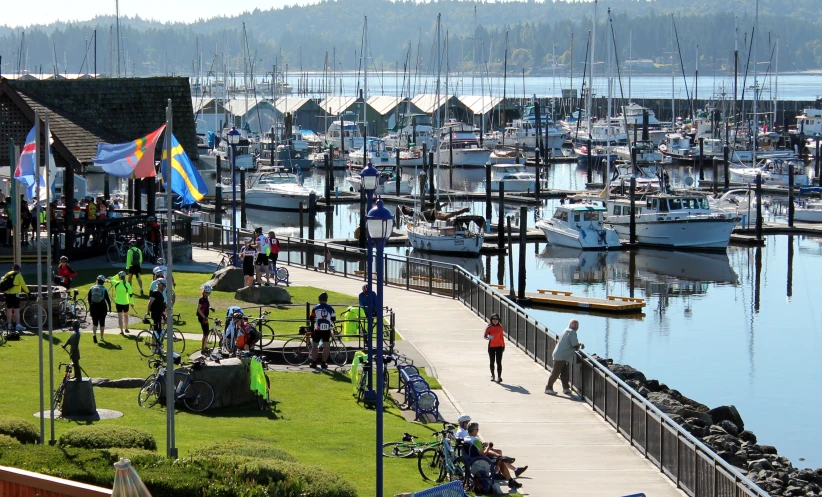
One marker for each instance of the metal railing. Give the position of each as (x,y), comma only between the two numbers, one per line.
(689,463)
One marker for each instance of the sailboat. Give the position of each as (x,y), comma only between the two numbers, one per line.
(437,231)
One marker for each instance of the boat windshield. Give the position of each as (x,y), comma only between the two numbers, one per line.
(688,203)
(276,180)
(561,215)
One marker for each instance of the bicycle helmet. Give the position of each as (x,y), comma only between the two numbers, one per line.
(101,279)
(238,315)
(63,258)
(157,271)
(323,297)
(247,239)
(121,274)
(161,261)
(161,281)
(464,418)
(207,288)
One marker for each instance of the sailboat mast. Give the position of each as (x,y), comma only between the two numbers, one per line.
(776,83)
(756,86)
(673,77)
(437,111)
(607,175)
(553,78)
(474,52)
(365,88)
(589,97)
(736,73)
(504,88)
(630,62)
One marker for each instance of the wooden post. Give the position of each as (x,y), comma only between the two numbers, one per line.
(361,239)
(701,159)
(790,196)
(538,167)
(759,206)
(312,224)
(523,240)
(632,225)
(327,181)
(501,230)
(589,161)
(431,179)
(512,296)
(218,202)
(726,164)
(243,217)
(302,221)
(399,174)
(488,195)
(68,217)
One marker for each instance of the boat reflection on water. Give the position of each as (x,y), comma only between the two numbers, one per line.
(472,265)
(677,273)
(571,265)
(284,223)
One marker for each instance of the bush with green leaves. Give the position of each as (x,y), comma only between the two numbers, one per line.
(7,440)
(107,436)
(21,429)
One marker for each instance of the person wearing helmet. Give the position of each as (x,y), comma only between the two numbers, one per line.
(99,305)
(323,318)
(203,306)
(18,285)
(247,335)
(462,426)
(273,254)
(123,299)
(157,303)
(262,257)
(154,234)
(65,273)
(248,253)
(134,261)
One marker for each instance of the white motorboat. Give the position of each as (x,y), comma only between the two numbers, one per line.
(774,173)
(678,148)
(675,221)
(515,178)
(374,150)
(740,202)
(345,137)
(579,226)
(387,184)
(505,156)
(808,212)
(461,234)
(646,153)
(411,157)
(524,132)
(337,160)
(459,142)
(276,190)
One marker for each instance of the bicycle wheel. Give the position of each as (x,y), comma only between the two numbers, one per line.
(282,274)
(266,334)
(430,464)
(179,341)
(338,352)
(147,344)
(221,264)
(213,341)
(80,310)
(198,396)
(58,397)
(397,449)
(296,352)
(114,255)
(34,315)
(149,392)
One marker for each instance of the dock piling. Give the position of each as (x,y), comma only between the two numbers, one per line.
(590,180)
(431,178)
(701,160)
(523,229)
(726,164)
(327,181)
(759,207)
(488,196)
(243,217)
(632,225)
(501,230)
(312,224)
(790,196)
(399,174)
(511,294)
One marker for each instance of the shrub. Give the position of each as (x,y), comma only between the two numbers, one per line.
(7,440)
(250,447)
(23,430)
(107,436)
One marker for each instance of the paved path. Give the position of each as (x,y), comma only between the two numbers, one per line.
(569,449)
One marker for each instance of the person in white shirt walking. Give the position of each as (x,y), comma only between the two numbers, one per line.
(563,355)
(261,264)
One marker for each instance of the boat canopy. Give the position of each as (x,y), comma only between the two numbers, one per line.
(810,189)
(587,207)
(464,221)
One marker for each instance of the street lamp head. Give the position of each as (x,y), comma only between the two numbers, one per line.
(233,136)
(380,223)
(370,177)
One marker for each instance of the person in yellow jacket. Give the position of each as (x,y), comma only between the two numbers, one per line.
(134,260)
(18,286)
(123,299)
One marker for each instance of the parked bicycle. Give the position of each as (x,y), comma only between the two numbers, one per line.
(197,396)
(225,260)
(148,250)
(297,351)
(407,448)
(441,462)
(215,338)
(60,391)
(117,251)
(150,342)
(33,312)
(261,325)
(362,385)
(72,309)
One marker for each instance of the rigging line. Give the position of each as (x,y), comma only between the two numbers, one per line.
(582,90)
(745,78)
(619,80)
(682,67)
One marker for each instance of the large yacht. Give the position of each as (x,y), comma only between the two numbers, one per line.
(458,140)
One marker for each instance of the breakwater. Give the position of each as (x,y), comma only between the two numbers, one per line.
(723,430)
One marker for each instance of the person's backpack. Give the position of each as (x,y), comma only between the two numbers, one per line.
(97,294)
(13,335)
(274,244)
(482,482)
(8,281)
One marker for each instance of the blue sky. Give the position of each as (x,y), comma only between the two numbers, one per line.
(48,11)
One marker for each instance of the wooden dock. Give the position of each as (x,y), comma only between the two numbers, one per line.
(610,304)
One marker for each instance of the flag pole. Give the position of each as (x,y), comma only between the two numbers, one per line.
(171,448)
(49,281)
(39,267)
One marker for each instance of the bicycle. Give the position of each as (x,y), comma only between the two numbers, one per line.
(197,396)
(441,462)
(225,260)
(33,313)
(407,448)
(60,391)
(362,385)
(150,342)
(72,309)
(262,327)
(148,250)
(297,351)
(117,251)
(214,341)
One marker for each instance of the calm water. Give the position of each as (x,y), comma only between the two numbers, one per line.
(720,328)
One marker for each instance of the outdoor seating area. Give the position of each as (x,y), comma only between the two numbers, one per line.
(417,393)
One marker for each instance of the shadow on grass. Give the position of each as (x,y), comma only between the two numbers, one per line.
(109,346)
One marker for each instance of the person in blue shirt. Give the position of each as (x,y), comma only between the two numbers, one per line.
(323,318)
(368,302)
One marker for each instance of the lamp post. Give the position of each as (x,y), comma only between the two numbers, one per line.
(233,139)
(370,177)
(380,223)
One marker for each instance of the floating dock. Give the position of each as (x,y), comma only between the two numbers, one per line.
(610,304)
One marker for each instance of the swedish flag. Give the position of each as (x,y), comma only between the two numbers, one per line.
(185,179)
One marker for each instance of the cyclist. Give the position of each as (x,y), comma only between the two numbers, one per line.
(247,336)
(134,261)
(323,318)
(231,314)
(262,257)
(203,306)
(462,427)
(484,449)
(99,306)
(155,235)
(14,284)
(273,254)
(123,299)
(157,303)
(65,273)
(158,272)
(247,254)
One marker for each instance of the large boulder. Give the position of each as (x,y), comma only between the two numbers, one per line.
(666,403)
(263,295)
(230,379)
(625,373)
(726,413)
(227,279)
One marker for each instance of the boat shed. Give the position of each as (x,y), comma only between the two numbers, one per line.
(255,114)
(305,111)
(83,112)
(391,110)
(332,107)
(484,108)
(209,114)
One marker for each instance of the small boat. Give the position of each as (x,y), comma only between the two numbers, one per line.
(774,173)
(506,156)
(349,138)
(337,160)
(515,178)
(740,202)
(579,226)
(459,142)
(387,181)
(808,211)
(678,148)
(411,157)
(374,150)
(276,190)
(445,232)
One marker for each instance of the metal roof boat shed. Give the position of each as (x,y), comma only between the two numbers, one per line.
(305,111)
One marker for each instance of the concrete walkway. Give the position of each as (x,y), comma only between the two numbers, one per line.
(569,449)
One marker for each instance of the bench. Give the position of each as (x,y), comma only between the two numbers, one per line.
(418,394)
(554,292)
(625,299)
(453,489)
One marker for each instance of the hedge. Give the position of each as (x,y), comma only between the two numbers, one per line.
(7,440)
(22,429)
(107,436)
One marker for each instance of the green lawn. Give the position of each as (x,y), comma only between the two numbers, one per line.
(316,417)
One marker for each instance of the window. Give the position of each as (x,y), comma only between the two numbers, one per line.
(703,203)
(655,204)
(591,215)
(617,210)
(561,215)
(576,217)
(663,205)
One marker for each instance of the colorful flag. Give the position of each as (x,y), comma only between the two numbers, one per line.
(27,173)
(185,179)
(126,159)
